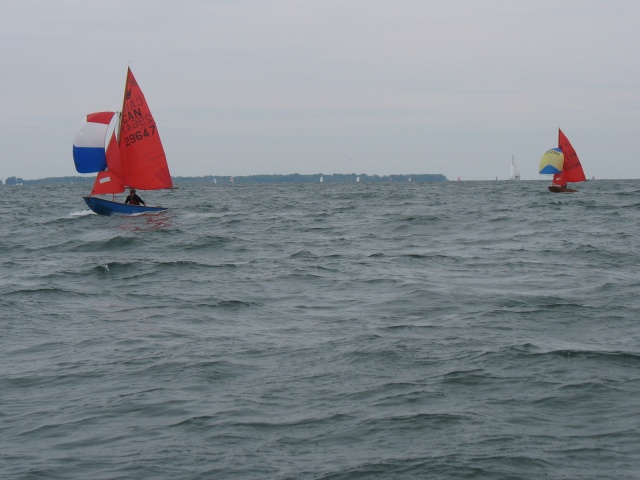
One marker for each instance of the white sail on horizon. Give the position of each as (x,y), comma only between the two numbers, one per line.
(515,172)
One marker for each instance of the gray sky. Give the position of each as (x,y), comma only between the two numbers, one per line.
(241,87)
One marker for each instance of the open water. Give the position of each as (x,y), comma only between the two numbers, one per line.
(415,330)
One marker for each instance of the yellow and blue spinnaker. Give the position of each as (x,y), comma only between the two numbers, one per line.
(552,162)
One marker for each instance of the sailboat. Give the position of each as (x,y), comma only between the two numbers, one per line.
(515,172)
(133,158)
(564,164)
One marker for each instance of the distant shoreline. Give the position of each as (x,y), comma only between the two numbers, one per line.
(249,179)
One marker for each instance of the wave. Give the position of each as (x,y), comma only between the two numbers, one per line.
(81,213)
(584,353)
(476,330)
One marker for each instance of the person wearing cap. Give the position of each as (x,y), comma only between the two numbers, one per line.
(134,199)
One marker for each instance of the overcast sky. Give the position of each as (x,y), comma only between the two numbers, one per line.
(241,87)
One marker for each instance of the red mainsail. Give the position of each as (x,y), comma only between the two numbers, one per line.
(144,164)
(572,169)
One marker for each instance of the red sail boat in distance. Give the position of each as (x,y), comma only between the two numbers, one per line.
(564,164)
(134,158)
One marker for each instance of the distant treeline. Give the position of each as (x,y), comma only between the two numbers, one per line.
(291,178)
(12,181)
(315,178)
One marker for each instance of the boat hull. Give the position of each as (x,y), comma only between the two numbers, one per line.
(558,189)
(108,207)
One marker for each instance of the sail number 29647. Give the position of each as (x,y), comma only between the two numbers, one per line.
(140,135)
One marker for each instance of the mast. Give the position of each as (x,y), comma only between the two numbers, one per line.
(124,99)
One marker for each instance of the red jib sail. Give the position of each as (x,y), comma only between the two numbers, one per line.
(572,170)
(110,181)
(141,152)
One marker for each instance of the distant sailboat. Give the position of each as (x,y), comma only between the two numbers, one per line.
(515,172)
(321,179)
(563,163)
(357,179)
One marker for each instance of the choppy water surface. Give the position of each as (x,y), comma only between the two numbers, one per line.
(446,330)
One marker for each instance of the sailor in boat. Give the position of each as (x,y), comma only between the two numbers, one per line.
(134,199)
